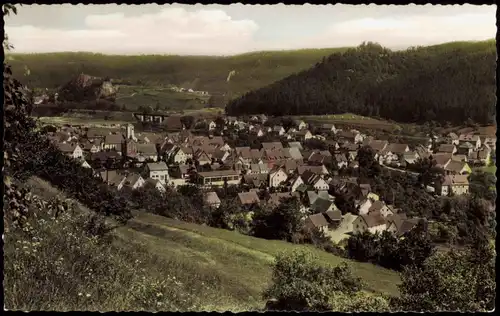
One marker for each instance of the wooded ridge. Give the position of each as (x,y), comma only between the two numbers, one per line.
(452,82)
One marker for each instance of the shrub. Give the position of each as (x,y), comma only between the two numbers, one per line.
(301,284)
(359,302)
(453,281)
(389,251)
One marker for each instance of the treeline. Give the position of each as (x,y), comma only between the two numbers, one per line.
(451,83)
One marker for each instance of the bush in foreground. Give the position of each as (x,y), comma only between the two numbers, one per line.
(456,281)
(300,283)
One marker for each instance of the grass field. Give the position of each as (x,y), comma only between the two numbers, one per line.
(246,259)
(352,120)
(60,120)
(491,169)
(236,267)
(133,97)
(116,117)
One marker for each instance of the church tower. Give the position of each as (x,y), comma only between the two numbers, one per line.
(130,131)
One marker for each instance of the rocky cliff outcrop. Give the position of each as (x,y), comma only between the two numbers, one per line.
(87,88)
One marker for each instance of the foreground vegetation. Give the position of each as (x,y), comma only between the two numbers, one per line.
(449,83)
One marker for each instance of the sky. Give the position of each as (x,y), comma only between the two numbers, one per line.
(177,29)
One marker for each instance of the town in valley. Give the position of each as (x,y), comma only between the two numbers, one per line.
(239,158)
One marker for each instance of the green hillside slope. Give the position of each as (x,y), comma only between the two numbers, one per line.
(223,270)
(206,73)
(453,82)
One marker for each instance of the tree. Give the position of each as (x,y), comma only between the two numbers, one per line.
(188,121)
(389,251)
(363,247)
(368,166)
(219,122)
(415,247)
(281,222)
(483,185)
(428,172)
(145,109)
(453,281)
(299,283)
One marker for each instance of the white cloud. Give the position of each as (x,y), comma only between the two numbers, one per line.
(170,31)
(408,31)
(214,32)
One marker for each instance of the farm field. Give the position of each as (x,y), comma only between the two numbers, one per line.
(161,98)
(60,120)
(352,120)
(83,117)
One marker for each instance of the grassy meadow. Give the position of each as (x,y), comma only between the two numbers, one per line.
(491,169)
(132,97)
(353,120)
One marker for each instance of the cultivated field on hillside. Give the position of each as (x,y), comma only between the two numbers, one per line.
(61,120)
(162,98)
(352,121)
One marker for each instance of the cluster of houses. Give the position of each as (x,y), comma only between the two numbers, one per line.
(189,90)
(178,158)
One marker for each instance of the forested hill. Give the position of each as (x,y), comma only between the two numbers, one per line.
(445,83)
(207,73)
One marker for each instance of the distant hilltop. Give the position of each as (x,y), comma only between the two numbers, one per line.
(87,88)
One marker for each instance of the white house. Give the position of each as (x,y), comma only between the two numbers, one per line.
(456,184)
(318,221)
(72,150)
(341,161)
(372,223)
(279,129)
(326,128)
(300,124)
(320,184)
(258,132)
(157,184)
(364,206)
(133,180)
(179,156)
(158,171)
(303,134)
(212,125)
(276,177)
(475,140)
(380,207)
(85,164)
(212,200)
(296,182)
